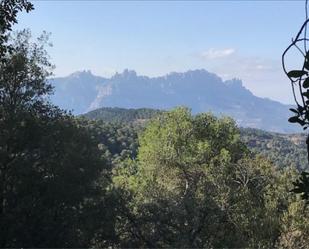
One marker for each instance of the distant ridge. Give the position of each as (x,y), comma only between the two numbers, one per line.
(199,90)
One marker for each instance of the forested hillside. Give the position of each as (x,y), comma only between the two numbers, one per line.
(122,115)
(283,150)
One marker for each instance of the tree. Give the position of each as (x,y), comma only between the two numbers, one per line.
(8,17)
(51,170)
(194,184)
(295,226)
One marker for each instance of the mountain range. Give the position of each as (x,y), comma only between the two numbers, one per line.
(200,90)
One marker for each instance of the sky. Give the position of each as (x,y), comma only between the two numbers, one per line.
(234,39)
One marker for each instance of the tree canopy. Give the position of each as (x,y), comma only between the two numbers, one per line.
(48,162)
(177,180)
(195,184)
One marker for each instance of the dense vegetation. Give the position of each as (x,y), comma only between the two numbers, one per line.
(283,150)
(118,141)
(195,184)
(178,180)
(48,164)
(122,115)
(200,145)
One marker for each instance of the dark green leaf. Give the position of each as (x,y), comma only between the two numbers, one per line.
(297,73)
(294,119)
(306,94)
(306,83)
(300,108)
(293,110)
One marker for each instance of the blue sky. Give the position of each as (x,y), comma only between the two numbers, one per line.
(235,39)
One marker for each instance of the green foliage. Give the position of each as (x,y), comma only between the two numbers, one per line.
(284,150)
(177,180)
(117,141)
(297,73)
(195,185)
(8,17)
(302,185)
(52,176)
(300,77)
(190,181)
(121,115)
(295,226)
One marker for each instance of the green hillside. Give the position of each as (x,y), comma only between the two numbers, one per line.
(122,115)
(282,149)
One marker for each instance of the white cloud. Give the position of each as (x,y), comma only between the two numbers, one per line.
(262,67)
(217,53)
(263,76)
